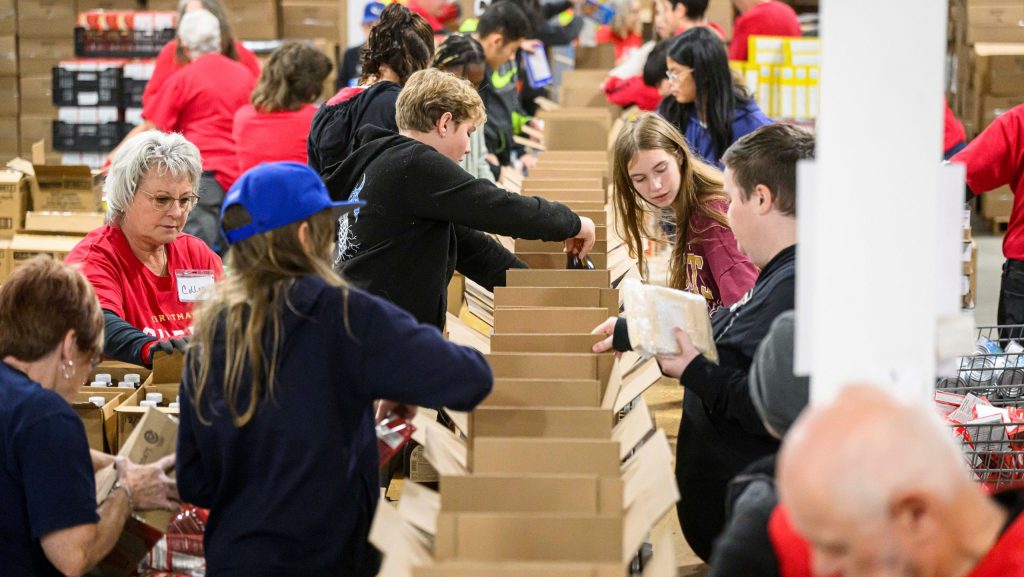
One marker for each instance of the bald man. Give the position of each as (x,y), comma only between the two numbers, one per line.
(880,488)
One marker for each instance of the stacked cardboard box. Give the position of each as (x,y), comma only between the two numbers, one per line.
(969,258)
(783,75)
(9,94)
(45,37)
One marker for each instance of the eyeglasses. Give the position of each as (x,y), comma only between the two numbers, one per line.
(675,77)
(163,203)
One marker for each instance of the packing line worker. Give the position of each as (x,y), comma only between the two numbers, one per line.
(144,269)
(654,173)
(624,30)
(761,18)
(708,104)
(424,215)
(49,521)
(290,359)
(645,90)
(200,101)
(462,56)
(996,158)
(351,70)
(721,433)
(275,125)
(870,506)
(673,17)
(399,44)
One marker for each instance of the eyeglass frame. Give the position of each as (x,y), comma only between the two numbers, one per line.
(193,200)
(674,77)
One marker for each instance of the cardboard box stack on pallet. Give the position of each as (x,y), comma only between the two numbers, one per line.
(560,471)
(9,93)
(969,285)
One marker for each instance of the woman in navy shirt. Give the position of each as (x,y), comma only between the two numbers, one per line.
(277,403)
(49,522)
(708,105)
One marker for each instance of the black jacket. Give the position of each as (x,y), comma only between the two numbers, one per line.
(744,549)
(499,129)
(332,133)
(422,221)
(350,68)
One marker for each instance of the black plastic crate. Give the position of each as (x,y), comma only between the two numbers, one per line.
(87,88)
(131,92)
(91,43)
(69,137)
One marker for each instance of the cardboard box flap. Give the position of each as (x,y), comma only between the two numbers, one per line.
(532,494)
(446,452)
(397,539)
(419,506)
(652,461)
(549,343)
(663,562)
(460,419)
(546,392)
(529,537)
(646,511)
(635,383)
(545,422)
(613,386)
(633,429)
(558,278)
(168,368)
(462,334)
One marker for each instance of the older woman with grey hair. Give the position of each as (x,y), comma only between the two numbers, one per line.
(200,101)
(146,272)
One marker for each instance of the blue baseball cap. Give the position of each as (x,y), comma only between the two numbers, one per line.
(372,12)
(276,194)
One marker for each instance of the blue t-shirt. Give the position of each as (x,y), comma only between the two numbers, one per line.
(747,117)
(46,476)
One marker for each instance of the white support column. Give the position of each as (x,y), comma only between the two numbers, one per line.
(878,217)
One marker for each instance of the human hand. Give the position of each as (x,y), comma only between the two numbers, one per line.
(169,346)
(529,161)
(384,407)
(530,46)
(150,486)
(584,240)
(605,328)
(674,366)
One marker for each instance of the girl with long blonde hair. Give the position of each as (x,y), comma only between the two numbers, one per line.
(277,400)
(655,173)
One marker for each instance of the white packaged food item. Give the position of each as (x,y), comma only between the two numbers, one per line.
(133,378)
(158,397)
(145,404)
(653,311)
(103,377)
(98,401)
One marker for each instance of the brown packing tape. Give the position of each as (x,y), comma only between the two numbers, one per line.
(550,343)
(525,455)
(547,321)
(569,423)
(529,537)
(532,493)
(558,278)
(545,392)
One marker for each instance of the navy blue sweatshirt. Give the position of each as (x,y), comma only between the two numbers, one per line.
(292,493)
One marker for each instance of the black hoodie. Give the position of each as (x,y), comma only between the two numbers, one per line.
(333,130)
(422,221)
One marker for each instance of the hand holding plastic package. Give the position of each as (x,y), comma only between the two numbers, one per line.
(653,311)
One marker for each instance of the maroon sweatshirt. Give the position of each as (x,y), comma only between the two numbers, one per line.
(715,267)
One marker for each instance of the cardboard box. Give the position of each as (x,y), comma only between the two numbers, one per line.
(558,278)
(253,19)
(57,188)
(38,95)
(100,422)
(85,5)
(528,246)
(997,203)
(8,18)
(521,569)
(38,55)
(9,96)
(8,55)
(556,261)
(154,437)
(562,422)
(14,199)
(25,246)
(550,343)
(117,370)
(572,183)
(537,494)
(547,320)
(308,19)
(600,57)
(589,195)
(10,143)
(32,129)
(129,413)
(64,222)
(573,156)
(550,366)
(46,19)
(5,260)
(498,455)
(545,392)
(995,22)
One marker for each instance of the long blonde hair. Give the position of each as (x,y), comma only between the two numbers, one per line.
(700,185)
(249,304)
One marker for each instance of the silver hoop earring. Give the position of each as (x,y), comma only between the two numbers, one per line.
(68,370)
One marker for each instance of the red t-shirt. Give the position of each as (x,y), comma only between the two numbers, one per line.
(772,18)
(200,101)
(996,158)
(435,23)
(271,137)
(953,131)
(128,289)
(166,65)
(715,267)
(623,46)
(629,91)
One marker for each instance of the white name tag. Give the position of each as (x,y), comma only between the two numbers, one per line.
(192,285)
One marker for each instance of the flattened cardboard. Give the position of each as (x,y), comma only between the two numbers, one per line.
(568,423)
(633,428)
(547,320)
(545,392)
(531,494)
(529,537)
(548,343)
(544,456)
(167,368)
(461,333)
(551,366)
(557,261)
(636,382)
(397,539)
(558,278)
(419,506)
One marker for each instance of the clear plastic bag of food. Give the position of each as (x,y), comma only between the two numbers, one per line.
(652,312)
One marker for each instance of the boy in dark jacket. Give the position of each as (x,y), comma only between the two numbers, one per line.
(721,433)
(424,215)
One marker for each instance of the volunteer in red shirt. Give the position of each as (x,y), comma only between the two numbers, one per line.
(996,158)
(954,139)
(654,173)
(146,272)
(172,56)
(761,18)
(200,101)
(624,29)
(276,125)
(895,498)
(436,12)
(673,17)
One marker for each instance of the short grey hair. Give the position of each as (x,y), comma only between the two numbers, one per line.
(169,153)
(199,32)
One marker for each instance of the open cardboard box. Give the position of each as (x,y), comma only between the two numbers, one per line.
(547,320)
(553,296)
(548,343)
(583,182)
(546,392)
(557,261)
(72,223)
(568,423)
(573,156)
(100,422)
(14,201)
(56,187)
(129,413)
(528,246)
(551,366)
(155,436)
(558,278)
(117,371)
